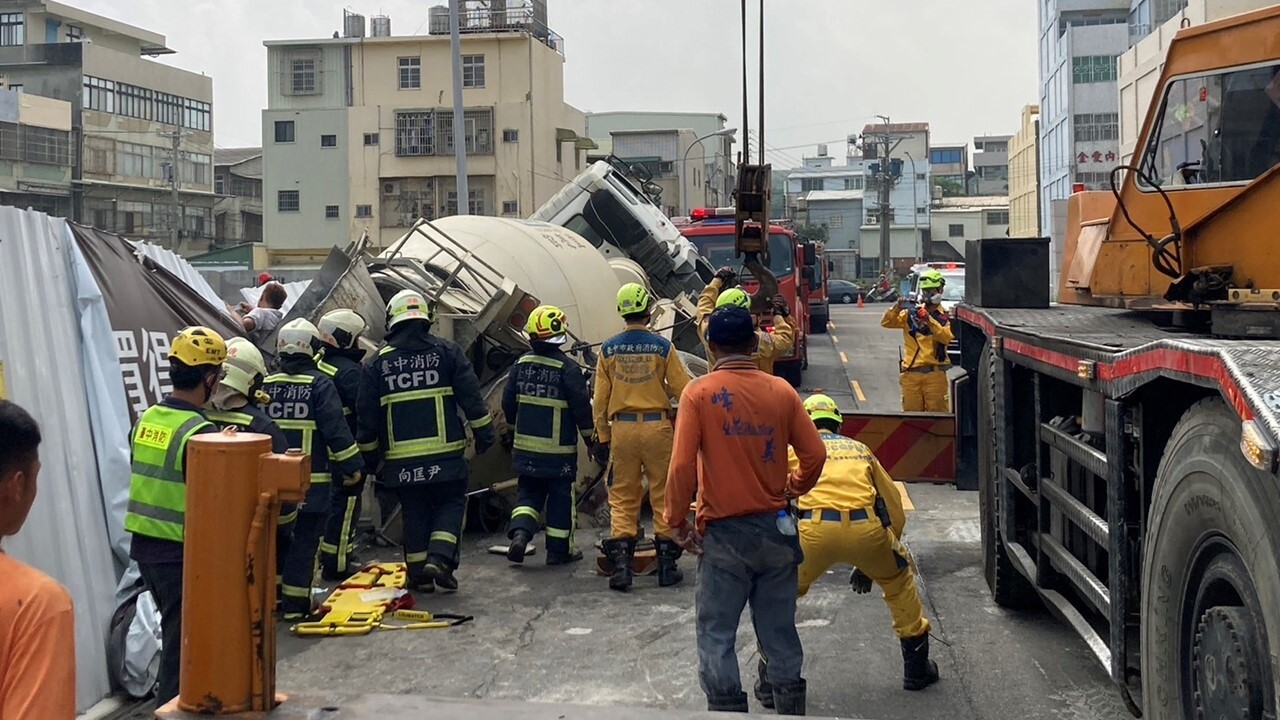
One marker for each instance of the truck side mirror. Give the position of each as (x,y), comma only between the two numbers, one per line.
(810,255)
(810,275)
(831,266)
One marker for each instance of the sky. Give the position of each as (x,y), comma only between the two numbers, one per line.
(965,67)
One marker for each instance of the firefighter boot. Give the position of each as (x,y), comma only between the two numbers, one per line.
(519,545)
(763,689)
(440,573)
(620,552)
(728,703)
(918,671)
(668,553)
(563,558)
(790,699)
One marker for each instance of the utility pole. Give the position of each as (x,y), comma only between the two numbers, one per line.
(459,129)
(887,180)
(175,204)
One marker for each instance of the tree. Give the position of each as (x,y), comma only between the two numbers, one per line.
(812,233)
(950,188)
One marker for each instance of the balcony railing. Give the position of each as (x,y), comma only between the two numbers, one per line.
(511,19)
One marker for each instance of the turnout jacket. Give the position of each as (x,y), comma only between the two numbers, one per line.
(547,404)
(306,406)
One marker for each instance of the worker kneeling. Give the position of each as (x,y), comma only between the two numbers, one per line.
(926,333)
(854,515)
(548,407)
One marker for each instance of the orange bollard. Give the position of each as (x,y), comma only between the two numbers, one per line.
(234,489)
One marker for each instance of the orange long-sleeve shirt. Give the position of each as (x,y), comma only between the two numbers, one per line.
(740,422)
(37,645)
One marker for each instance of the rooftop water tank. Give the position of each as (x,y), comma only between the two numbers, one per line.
(438,20)
(380,26)
(352,25)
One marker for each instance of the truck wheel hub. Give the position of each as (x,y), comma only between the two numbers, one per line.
(1226,667)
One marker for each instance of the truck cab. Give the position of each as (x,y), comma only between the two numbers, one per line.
(793,263)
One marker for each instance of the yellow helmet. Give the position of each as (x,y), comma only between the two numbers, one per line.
(243,366)
(633,299)
(547,323)
(736,297)
(195,346)
(342,327)
(409,305)
(822,407)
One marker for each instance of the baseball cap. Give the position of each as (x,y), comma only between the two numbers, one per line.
(265,278)
(730,325)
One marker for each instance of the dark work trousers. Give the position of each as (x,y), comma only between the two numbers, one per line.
(164,580)
(557,495)
(433,516)
(339,531)
(746,560)
(284,538)
(300,561)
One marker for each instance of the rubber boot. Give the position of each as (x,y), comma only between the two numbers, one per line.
(441,574)
(519,545)
(918,671)
(558,558)
(790,699)
(668,552)
(621,551)
(763,689)
(728,703)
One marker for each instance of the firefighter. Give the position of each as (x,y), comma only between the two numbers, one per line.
(157,487)
(238,402)
(305,404)
(418,383)
(770,346)
(548,407)
(340,330)
(926,333)
(854,515)
(637,375)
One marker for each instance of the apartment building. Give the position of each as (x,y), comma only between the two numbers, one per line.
(823,193)
(1024,176)
(237,181)
(358,132)
(907,213)
(950,164)
(990,165)
(956,220)
(143,131)
(35,152)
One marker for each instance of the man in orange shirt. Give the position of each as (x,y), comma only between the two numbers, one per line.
(37,630)
(741,422)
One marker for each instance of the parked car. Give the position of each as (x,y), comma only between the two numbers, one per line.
(843,291)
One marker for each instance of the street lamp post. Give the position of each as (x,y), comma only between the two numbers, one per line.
(915,206)
(684,166)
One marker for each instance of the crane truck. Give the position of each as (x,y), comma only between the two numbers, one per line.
(1124,440)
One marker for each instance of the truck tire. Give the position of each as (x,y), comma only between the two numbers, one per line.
(818,323)
(1009,588)
(1210,576)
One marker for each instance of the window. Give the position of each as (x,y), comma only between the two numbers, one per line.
(287,201)
(998,217)
(853,183)
(364,211)
(1093,69)
(197,115)
(510,207)
(835,222)
(510,136)
(328,141)
(921,177)
(12,29)
(472,71)
(410,73)
(196,168)
(955,230)
(134,160)
(1219,128)
(477,131)
(370,139)
(1092,127)
(284,131)
(133,101)
(415,134)
(330,212)
(45,146)
(168,109)
(922,211)
(475,203)
(810,184)
(948,156)
(219,185)
(75,33)
(302,76)
(99,94)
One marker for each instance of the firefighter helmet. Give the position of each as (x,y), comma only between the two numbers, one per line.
(195,346)
(633,299)
(298,337)
(931,280)
(736,297)
(244,366)
(343,327)
(409,305)
(822,407)
(547,323)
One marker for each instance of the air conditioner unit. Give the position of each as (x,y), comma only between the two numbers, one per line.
(389,188)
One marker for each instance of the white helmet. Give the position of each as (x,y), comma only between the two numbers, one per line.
(243,367)
(297,337)
(342,327)
(409,305)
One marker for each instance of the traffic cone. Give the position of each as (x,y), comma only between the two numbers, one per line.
(859,299)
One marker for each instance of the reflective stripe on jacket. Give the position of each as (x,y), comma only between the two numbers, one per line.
(305,405)
(158,486)
(547,405)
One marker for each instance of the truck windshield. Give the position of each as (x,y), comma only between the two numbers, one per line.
(953,291)
(718,249)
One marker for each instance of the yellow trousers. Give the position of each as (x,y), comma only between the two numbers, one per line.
(871,547)
(639,449)
(925,392)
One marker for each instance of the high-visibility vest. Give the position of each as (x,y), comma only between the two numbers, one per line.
(158,486)
(543,424)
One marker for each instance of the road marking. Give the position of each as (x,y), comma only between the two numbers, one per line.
(857,390)
(831,323)
(835,339)
(906,498)
(843,358)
